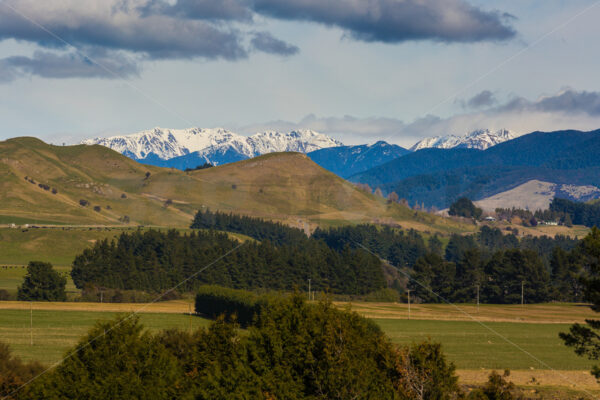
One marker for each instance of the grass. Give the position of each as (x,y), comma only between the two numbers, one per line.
(55,332)
(473,346)
(474,349)
(11,276)
(286,187)
(558,313)
(469,344)
(58,246)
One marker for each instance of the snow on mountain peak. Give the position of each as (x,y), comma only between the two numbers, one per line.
(480,139)
(170,143)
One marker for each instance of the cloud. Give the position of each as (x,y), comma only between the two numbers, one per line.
(569,109)
(484,99)
(219,29)
(118,25)
(226,10)
(349,129)
(567,101)
(265,42)
(69,65)
(393,21)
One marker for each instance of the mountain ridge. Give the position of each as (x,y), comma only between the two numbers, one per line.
(480,139)
(438,176)
(216,146)
(346,161)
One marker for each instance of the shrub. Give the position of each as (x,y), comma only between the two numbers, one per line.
(464,207)
(97,208)
(42,283)
(14,373)
(213,301)
(4,295)
(84,203)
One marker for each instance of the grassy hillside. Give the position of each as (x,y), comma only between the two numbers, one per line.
(283,186)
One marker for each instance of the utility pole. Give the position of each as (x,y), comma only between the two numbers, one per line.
(408,291)
(31,323)
(190,313)
(101,295)
(308,289)
(477,298)
(522,293)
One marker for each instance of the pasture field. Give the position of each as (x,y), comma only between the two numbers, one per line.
(529,346)
(559,313)
(57,245)
(55,332)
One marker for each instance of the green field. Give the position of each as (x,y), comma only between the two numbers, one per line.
(55,332)
(471,346)
(468,344)
(11,276)
(58,246)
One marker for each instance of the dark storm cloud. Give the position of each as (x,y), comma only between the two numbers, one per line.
(394,21)
(71,65)
(484,99)
(265,42)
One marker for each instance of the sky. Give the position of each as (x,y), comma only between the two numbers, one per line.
(358,70)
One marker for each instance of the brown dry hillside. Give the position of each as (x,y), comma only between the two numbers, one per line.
(283,186)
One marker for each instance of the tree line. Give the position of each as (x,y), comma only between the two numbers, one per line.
(587,214)
(501,269)
(154,261)
(257,228)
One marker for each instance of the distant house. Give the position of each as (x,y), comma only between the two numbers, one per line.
(490,219)
(551,223)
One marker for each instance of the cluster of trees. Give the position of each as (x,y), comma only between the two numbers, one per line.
(257,228)
(501,267)
(154,261)
(292,351)
(398,247)
(587,214)
(41,185)
(206,165)
(585,338)
(42,283)
(15,373)
(562,211)
(529,218)
(463,207)
(213,301)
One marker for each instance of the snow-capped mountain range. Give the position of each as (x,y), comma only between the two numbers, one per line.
(189,148)
(216,146)
(480,139)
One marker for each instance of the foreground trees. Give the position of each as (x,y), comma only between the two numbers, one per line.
(293,351)
(585,339)
(14,373)
(42,283)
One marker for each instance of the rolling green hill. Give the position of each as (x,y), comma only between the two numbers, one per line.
(283,186)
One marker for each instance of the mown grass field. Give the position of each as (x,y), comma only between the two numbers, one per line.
(55,332)
(531,349)
(469,344)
